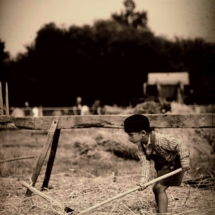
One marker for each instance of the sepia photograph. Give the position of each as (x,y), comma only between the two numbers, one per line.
(107,107)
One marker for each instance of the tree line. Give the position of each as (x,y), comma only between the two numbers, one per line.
(108,61)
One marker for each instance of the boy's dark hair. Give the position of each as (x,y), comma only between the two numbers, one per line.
(136,123)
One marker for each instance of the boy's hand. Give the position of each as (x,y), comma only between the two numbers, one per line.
(142,186)
(186,168)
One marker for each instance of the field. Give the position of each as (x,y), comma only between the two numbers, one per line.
(93,165)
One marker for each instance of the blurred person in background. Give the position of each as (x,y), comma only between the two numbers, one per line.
(35,111)
(97,108)
(40,110)
(27,109)
(85,110)
(77,107)
(17,112)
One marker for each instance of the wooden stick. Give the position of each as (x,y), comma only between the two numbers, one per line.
(1,101)
(15,159)
(44,196)
(51,158)
(132,190)
(7,100)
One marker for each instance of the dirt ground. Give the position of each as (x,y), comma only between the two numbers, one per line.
(80,193)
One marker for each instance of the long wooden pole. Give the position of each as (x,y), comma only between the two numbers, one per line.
(1,101)
(46,197)
(67,209)
(7,100)
(132,190)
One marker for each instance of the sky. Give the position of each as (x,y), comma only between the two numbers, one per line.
(21,19)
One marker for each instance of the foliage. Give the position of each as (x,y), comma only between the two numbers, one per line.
(108,61)
(131,18)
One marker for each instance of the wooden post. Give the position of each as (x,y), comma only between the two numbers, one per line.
(51,159)
(1,101)
(7,100)
(43,154)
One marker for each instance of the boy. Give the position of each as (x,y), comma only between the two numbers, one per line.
(168,154)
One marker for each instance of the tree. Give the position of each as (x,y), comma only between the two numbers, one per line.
(131,18)
(108,61)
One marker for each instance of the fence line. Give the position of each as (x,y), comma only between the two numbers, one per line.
(116,121)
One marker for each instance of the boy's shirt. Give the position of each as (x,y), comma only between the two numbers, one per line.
(166,146)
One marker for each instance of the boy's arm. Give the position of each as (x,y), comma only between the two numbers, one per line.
(185,163)
(184,156)
(178,146)
(145,168)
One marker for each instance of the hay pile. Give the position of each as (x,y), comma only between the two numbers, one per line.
(103,145)
(80,193)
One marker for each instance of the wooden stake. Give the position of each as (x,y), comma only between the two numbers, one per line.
(51,159)
(1,101)
(15,159)
(43,154)
(7,100)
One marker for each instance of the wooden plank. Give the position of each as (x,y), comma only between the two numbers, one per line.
(43,154)
(116,121)
(51,159)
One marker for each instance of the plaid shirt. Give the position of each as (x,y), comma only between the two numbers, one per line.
(168,147)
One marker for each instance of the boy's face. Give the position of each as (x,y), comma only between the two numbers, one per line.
(135,137)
